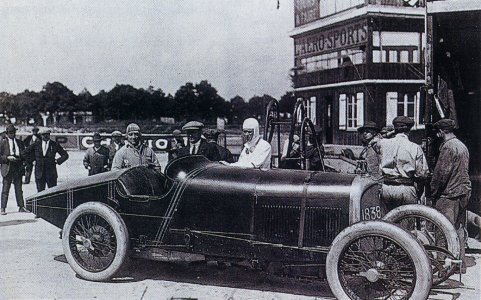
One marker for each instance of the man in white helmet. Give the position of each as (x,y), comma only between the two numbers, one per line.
(256,152)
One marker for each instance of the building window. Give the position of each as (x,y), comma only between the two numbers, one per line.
(351,111)
(331,60)
(404,104)
(396,47)
(300,113)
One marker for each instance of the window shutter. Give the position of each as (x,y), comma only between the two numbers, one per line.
(360,109)
(417,110)
(342,111)
(391,107)
(313,109)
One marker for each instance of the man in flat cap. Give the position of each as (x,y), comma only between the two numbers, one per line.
(44,153)
(134,152)
(96,159)
(30,140)
(369,136)
(403,166)
(450,184)
(115,144)
(197,144)
(12,168)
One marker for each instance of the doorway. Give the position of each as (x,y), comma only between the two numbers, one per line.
(328,120)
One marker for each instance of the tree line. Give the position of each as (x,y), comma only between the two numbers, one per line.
(199,101)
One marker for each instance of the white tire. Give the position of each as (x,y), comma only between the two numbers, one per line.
(95,241)
(378,260)
(434,231)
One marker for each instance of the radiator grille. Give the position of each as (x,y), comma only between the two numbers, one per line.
(280,224)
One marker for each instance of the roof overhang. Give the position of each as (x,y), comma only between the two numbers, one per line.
(447,6)
(358,11)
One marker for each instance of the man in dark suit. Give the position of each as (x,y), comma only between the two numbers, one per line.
(212,136)
(29,140)
(44,153)
(197,144)
(12,168)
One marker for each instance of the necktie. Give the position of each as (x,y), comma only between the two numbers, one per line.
(194,150)
(13,147)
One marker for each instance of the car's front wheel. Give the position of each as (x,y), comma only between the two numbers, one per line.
(378,260)
(95,241)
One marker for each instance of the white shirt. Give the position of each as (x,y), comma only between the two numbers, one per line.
(45,147)
(402,158)
(259,157)
(12,142)
(196,147)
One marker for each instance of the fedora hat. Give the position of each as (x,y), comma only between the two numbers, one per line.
(369,125)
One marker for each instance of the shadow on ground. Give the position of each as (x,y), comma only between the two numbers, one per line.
(233,276)
(16,222)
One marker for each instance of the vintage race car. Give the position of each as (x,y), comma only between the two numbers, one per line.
(313,223)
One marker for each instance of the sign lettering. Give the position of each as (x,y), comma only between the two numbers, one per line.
(332,39)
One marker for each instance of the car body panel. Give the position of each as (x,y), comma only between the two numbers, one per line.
(205,207)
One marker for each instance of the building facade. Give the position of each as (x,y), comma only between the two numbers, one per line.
(359,60)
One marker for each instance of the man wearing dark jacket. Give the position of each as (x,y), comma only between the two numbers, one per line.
(30,140)
(44,154)
(212,136)
(12,168)
(450,184)
(96,158)
(197,144)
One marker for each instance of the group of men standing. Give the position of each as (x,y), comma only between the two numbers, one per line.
(401,168)
(14,154)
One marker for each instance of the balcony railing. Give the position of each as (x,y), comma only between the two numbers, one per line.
(360,72)
(414,3)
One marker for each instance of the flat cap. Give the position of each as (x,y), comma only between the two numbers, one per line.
(369,125)
(45,131)
(403,121)
(176,132)
(10,128)
(445,124)
(193,125)
(116,133)
(132,127)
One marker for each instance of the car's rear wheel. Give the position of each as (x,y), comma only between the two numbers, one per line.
(378,260)
(95,241)
(434,231)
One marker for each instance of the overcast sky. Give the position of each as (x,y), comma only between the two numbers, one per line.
(242,47)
